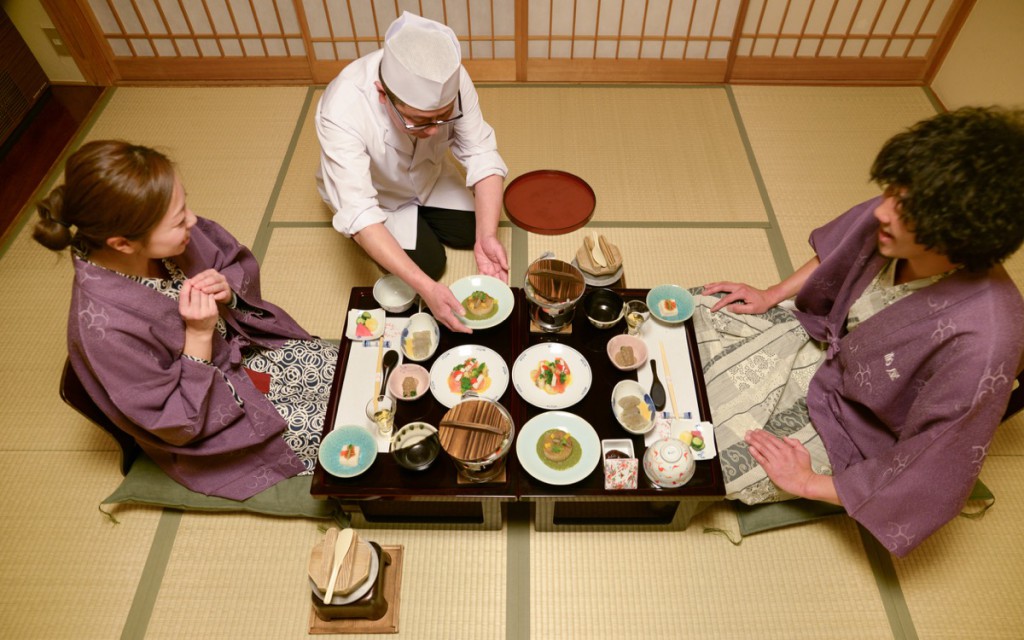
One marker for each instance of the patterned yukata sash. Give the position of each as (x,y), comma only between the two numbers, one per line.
(301,372)
(757,369)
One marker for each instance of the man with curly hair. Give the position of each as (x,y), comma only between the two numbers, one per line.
(882,390)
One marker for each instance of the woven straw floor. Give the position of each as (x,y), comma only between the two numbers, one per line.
(694,184)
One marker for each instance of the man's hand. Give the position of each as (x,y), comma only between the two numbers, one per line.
(788,465)
(740,298)
(490,258)
(445,307)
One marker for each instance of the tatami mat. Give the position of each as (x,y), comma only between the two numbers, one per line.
(309,271)
(229,142)
(649,153)
(250,566)
(805,581)
(965,581)
(299,200)
(67,570)
(688,257)
(814,147)
(36,287)
(252,581)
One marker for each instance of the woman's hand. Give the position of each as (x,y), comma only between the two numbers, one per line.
(199,311)
(445,307)
(211,282)
(788,465)
(740,298)
(491,259)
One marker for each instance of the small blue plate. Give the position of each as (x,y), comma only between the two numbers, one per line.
(683,299)
(330,450)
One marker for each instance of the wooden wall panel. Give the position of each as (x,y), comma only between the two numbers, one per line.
(310,41)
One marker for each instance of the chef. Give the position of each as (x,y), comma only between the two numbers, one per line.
(385,125)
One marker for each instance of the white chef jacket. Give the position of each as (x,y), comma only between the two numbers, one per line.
(370,170)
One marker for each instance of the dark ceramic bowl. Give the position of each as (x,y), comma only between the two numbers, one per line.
(416,446)
(603,308)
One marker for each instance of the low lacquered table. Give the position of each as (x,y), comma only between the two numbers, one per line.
(587,504)
(387,494)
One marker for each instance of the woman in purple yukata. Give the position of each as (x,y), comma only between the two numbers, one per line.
(881,391)
(169,334)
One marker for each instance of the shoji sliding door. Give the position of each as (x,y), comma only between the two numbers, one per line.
(310,41)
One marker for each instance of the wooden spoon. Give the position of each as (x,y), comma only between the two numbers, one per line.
(341,547)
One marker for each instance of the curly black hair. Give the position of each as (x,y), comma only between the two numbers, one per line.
(963,176)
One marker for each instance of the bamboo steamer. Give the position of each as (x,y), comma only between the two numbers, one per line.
(477,435)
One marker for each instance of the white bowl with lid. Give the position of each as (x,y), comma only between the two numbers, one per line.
(668,463)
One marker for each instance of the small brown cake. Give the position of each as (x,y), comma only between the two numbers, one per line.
(409,387)
(625,357)
(557,445)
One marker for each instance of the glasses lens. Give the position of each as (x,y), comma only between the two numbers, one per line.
(427,125)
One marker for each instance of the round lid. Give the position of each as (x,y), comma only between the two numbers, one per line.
(549,202)
(474,429)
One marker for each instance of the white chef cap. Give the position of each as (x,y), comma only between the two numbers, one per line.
(421,62)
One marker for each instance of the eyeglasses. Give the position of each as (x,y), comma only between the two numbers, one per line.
(426,125)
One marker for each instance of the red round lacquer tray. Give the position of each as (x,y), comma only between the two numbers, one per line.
(549,202)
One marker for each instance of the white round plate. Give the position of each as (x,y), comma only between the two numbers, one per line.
(455,356)
(332,444)
(577,427)
(599,281)
(493,287)
(684,302)
(528,360)
(362,589)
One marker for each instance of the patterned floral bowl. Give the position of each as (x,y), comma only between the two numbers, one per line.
(668,463)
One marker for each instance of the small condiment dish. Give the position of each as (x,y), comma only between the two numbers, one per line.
(603,308)
(615,351)
(645,422)
(396,381)
(420,322)
(393,294)
(415,446)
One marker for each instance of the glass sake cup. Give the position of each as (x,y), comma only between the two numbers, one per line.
(636,313)
(381,411)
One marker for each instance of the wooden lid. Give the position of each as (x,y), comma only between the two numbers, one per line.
(473,430)
(555,281)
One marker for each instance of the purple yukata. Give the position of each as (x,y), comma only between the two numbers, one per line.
(907,402)
(208,427)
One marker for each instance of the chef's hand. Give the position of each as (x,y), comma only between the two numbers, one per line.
(199,311)
(740,298)
(788,465)
(211,282)
(490,258)
(445,307)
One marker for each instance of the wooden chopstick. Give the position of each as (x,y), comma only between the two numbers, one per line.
(458,424)
(377,376)
(668,380)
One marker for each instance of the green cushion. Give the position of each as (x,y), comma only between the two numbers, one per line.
(765,517)
(147,484)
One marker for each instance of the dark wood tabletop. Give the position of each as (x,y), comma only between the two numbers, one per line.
(386,479)
(595,408)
